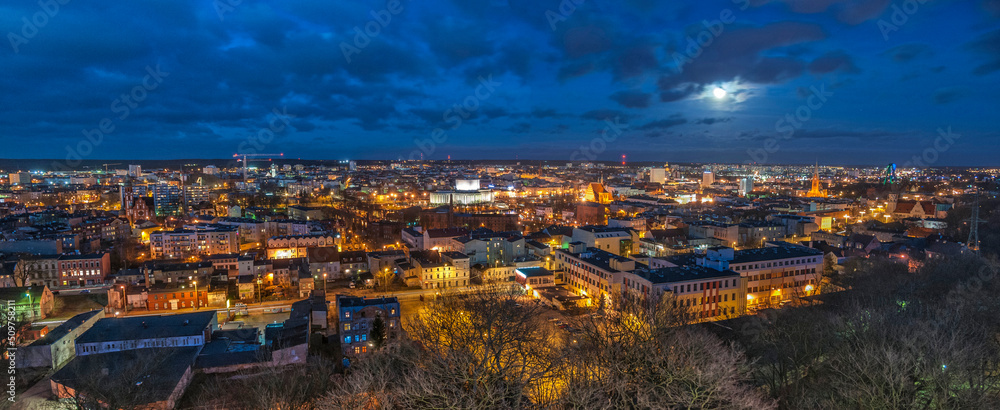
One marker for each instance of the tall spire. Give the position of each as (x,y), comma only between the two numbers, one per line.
(973,242)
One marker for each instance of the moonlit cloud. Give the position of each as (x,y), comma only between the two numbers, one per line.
(552,79)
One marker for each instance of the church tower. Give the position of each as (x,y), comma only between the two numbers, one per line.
(816,191)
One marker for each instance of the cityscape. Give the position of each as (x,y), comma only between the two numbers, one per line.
(505,204)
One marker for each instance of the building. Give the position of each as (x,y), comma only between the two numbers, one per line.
(815,190)
(294,246)
(83,270)
(592,272)
(489,248)
(913,209)
(413,237)
(141,332)
(707,178)
(196,194)
(39,269)
(134,171)
(705,293)
(443,217)
(167,199)
(451,271)
(533,278)
(356,317)
(304,213)
(616,240)
(183,243)
(746,186)
(658,175)
(29,303)
(441,239)
(774,275)
(159,272)
(176,298)
(19,178)
(58,347)
(467,192)
(324,263)
(596,192)
(164,374)
(210,170)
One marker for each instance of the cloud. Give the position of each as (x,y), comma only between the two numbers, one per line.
(908,52)
(840,133)
(710,120)
(833,61)
(987,44)
(949,94)
(520,128)
(746,54)
(663,124)
(604,114)
(852,12)
(631,99)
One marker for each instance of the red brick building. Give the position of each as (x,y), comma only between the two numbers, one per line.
(83,270)
(175,298)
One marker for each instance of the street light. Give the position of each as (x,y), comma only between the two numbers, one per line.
(30,310)
(197,301)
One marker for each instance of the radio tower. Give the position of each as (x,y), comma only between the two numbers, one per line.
(973,243)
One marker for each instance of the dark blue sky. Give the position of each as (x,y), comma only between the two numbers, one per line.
(541,82)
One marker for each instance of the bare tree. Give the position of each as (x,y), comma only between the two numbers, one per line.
(290,387)
(124,380)
(642,356)
(27,268)
(487,349)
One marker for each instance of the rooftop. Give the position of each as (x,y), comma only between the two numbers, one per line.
(682,273)
(148,327)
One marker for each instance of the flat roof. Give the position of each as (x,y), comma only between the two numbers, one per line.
(682,274)
(147,327)
(64,329)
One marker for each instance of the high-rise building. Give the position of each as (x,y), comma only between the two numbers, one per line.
(134,170)
(746,186)
(658,175)
(195,194)
(211,170)
(20,178)
(167,199)
(707,178)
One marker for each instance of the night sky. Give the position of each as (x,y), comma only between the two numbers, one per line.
(874,80)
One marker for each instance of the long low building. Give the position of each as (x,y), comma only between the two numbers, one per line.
(182,243)
(139,332)
(705,293)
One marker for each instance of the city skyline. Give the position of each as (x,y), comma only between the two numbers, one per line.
(865,82)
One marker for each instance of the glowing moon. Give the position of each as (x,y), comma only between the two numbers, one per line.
(719,92)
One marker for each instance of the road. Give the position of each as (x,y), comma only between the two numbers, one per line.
(285,306)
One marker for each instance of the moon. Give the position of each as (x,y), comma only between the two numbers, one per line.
(719,92)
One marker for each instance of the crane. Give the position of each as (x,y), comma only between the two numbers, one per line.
(260,156)
(106,166)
